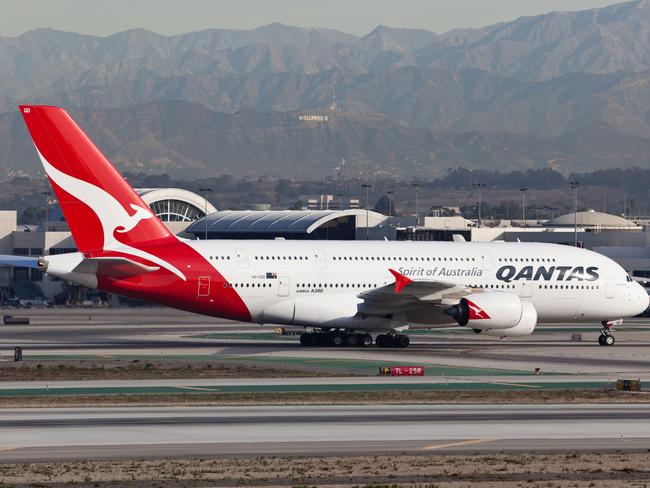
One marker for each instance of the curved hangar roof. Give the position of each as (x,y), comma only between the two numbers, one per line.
(175,204)
(591,218)
(279,221)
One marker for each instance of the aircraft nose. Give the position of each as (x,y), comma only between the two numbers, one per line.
(641,298)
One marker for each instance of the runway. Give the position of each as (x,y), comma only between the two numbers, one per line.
(123,433)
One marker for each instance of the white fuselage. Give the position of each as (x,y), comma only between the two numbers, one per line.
(316,283)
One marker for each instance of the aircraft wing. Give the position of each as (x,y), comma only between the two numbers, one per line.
(115,267)
(422,302)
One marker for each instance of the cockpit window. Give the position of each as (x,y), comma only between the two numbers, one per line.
(629,280)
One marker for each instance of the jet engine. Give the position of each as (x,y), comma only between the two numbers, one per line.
(499,314)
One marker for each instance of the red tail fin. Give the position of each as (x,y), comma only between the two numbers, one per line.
(102,209)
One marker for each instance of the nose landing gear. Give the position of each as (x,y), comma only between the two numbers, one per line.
(606,337)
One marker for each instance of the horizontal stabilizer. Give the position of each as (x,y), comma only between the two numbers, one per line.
(114,267)
(22,261)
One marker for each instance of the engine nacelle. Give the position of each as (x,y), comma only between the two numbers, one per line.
(525,327)
(495,312)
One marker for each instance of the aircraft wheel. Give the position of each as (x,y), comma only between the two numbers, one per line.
(402,341)
(366,340)
(352,340)
(609,340)
(389,340)
(304,339)
(601,340)
(338,340)
(311,339)
(381,340)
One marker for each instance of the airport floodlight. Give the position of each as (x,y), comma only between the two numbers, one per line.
(523,191)
(574,186)
(205,192)
(46,216)
(367,186)
(390,194)
(416,186)
(479,186)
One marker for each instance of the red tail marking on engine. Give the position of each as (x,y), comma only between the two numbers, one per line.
(476,312)
(400,280)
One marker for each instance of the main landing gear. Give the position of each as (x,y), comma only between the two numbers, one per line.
(335,339)
(350,339)
(393,340)
(606,337)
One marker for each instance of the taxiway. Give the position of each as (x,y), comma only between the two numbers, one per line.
(118,433)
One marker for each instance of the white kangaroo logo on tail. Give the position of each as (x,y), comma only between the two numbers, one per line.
(110,212)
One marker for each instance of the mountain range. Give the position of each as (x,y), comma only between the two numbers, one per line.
(188,140)
(533,92)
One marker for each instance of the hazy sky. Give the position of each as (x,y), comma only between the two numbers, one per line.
(104,17)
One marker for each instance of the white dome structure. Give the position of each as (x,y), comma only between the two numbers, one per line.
(592,220)
(175,204)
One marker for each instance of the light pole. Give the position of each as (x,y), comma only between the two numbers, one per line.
(340,195)
(417,202)
(574,186)
(479,187)
(205,217)
(390,202)
(523,204)
(367,187)
(47,208)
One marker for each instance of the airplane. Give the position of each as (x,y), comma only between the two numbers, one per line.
(343,293)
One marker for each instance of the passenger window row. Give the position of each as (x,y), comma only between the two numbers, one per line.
(493,286)
(404,258)
(246,285)
(570,287)
(335,285)
(526,260)
(281,258)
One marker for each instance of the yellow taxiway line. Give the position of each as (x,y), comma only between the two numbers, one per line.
(457,444)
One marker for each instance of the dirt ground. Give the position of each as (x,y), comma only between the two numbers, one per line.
(413,471)
(330,398)
(141,370)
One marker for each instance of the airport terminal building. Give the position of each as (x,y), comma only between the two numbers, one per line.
(190,215)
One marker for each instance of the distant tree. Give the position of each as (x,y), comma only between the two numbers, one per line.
(297,206)
(382,205)
(32,216)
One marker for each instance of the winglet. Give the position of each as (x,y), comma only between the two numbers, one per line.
(400,280)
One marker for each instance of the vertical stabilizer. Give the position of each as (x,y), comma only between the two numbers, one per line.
(102,209)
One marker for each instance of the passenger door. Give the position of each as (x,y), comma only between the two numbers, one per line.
(283,286)
(610,291)
(203,287)
(526,289)
(319,256)
(242,258)
(486,260)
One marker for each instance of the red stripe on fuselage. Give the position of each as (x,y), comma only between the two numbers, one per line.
(165,288)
